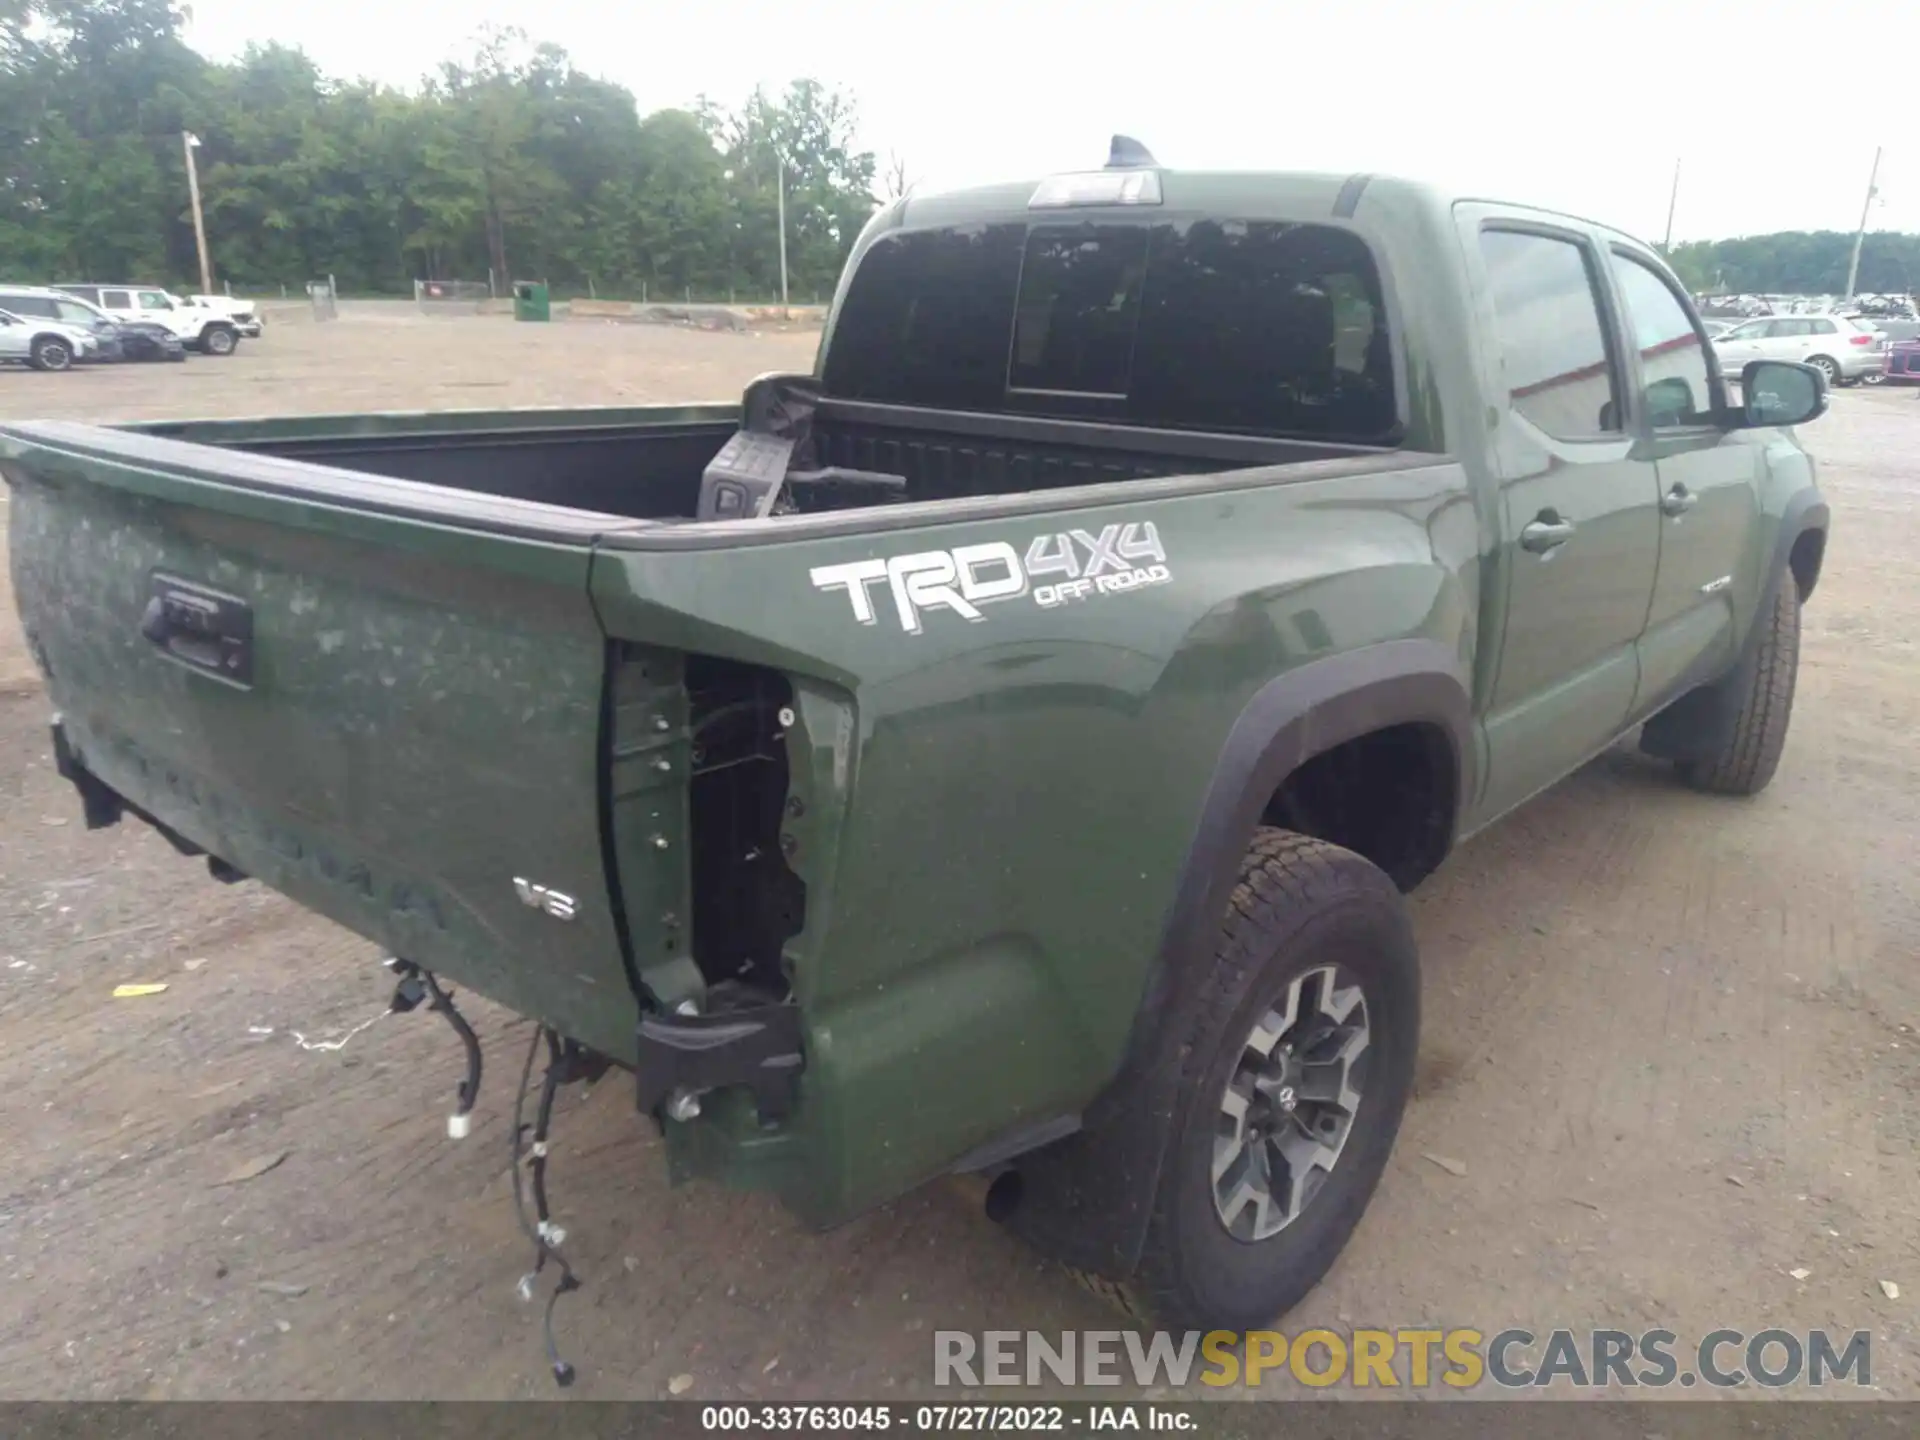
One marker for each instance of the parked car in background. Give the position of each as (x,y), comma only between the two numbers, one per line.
(1903,360)
(1842,351)
(44,344)
(37,302)
(198,329)
(150,340)
(117,339)
(241,312)
(1716,328)
(1890,332)
(1896,331)
(1895,307)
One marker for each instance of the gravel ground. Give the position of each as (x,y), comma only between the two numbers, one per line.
(1670,1041)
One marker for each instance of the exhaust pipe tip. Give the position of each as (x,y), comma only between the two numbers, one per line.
(994,1193)
(1003,1196)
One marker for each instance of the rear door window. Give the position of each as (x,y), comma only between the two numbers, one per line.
(115,300)
(29,305)
(1253,327)
(1553,344)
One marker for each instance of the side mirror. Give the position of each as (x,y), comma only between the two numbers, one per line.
(1670,402)
(1780,392)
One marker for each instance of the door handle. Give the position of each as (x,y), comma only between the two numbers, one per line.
(1678,501)
(1544,536)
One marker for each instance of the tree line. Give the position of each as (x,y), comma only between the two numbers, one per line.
(1799,262)
(511,162)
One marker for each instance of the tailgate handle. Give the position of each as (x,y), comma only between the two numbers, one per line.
(203,629)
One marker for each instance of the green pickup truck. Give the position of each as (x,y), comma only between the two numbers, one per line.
(1003,750)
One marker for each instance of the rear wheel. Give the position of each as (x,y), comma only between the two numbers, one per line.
(1294,1073)
(50,352)
(1752,753)
(219,340)
(1827,368)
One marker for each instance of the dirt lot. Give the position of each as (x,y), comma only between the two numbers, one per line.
(1672,1040)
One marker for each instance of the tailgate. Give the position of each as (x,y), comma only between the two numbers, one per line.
(381,698)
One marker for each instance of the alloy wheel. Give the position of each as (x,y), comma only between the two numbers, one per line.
(1289,1107)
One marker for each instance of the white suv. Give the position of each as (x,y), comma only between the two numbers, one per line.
(198,329)
(44,344)
(1833,345)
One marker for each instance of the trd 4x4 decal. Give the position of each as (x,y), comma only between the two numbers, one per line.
(1121,557)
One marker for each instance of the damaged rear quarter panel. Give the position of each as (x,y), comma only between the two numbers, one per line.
(999,808)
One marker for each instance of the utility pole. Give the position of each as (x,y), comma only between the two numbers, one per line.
(1860,235)
(191,142)
(781,201)
(1673,200)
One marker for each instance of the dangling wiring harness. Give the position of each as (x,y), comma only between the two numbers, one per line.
(565,1062)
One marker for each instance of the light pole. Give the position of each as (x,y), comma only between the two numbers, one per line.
(780,200)
(1860,235)
(190,142)
(1673,200)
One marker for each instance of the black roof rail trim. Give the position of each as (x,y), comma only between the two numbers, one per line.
(1348,200)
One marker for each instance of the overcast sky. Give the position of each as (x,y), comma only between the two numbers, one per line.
(1772,108)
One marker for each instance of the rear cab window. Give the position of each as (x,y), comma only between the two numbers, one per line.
(1230,326)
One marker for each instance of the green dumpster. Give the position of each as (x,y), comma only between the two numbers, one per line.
(530,301)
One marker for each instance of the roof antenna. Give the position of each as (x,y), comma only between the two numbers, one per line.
(1128,153)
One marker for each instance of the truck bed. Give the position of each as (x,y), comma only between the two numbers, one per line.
(647,464)
(331,652)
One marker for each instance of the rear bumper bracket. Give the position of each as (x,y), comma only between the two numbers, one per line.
(101,805)
(757,1046)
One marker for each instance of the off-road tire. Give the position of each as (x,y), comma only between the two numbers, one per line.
(50,352)
(1299,904)
(219,340)
(1752,752)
